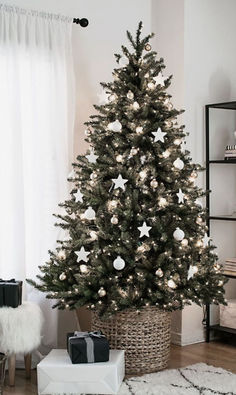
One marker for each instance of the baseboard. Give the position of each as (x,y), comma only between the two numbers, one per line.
(176,338)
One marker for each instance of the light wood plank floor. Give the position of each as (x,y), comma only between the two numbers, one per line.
(214,353)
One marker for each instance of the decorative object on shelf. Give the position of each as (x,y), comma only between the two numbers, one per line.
(147,328)
(230,267)
(228,314)
(20,330)
(230,152)
(10,293)
(87,347)
(56,371)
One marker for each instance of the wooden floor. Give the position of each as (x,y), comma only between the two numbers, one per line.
(214,353)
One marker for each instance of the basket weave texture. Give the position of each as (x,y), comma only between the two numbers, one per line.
(145,337)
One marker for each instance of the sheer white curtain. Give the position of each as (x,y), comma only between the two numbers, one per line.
(36,134)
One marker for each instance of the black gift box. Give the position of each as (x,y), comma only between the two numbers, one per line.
(10,293)
(87,347)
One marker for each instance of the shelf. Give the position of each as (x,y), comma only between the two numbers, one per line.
(223,217)
(224,106)
(222,329)
(229,275)
(225,162)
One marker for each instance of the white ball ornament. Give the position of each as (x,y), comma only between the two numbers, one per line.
(93,176)
(62,255)
(178,164)
(133,151)
(101,292)
(93,235)
(114,220)
(178,234)
(139,130)
(159,273)
(135,105)
(119,158)
(62,276)
(151,86)
(112,98)
(112,204)
(171,284)
(154,183)
(87,132)
(177,141)
(130,95)
(199,220)
(162,202)
(119,263)
(184,242)
(114,126)
(89,213)
(83,269)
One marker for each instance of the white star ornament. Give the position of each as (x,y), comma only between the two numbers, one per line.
(78,196)
(119,182)
(159,135)
(144,230)
(92,158)
(159,79)
(180,195)
(82,255)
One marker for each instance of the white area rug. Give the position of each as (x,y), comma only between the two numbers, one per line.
(199,379)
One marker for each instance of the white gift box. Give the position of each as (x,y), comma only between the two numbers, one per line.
(228,314)
(58,376)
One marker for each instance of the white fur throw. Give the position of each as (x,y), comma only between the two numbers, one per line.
(20,328)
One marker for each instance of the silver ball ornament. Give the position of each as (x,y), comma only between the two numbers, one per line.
(83,269)
(62,276)
(139,130)
(159,273)
(114,220)
(130,95)
(154,183)
(178,234)
(102,292)
(119,263)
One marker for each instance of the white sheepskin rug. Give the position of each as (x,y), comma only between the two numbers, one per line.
(20,328)
(199,379)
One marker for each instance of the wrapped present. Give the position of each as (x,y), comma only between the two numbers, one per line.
(87,347)
(10,293)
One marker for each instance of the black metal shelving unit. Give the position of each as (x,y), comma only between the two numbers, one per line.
(224,106)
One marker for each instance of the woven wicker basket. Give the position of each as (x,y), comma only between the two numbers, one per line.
(145,337)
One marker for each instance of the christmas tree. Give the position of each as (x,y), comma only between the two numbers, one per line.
(135,223)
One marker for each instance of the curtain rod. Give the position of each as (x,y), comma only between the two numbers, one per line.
(82,22)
